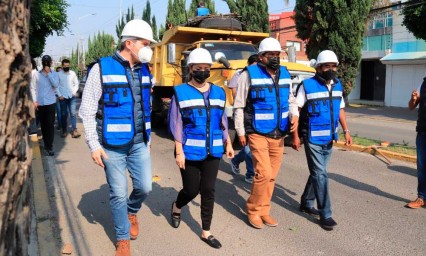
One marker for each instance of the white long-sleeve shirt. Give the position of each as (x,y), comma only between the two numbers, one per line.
(44,88)
(68,83)
(89,107)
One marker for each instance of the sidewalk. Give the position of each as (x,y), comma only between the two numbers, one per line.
(386,113)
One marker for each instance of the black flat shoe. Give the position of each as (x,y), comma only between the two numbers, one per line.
(175,218)
(327,224)
(309,210)
(212,241)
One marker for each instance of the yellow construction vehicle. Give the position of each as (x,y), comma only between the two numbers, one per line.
(229,48)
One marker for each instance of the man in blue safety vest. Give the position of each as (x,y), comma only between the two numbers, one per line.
(320,100)
(264,111)
(116,114)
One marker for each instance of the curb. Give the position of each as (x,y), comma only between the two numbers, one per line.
(45,242)
(372,150)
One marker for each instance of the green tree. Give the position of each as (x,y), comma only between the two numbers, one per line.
(176,12)
(193,7)
(161,32)
(146,13)
(253,13)
(124,19)
(414,18)
(47,16)
(154,28)
(102,45)
(337,25)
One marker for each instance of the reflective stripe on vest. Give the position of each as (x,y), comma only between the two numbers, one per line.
(202,124)
(270,111)
(323,110)
(126,108)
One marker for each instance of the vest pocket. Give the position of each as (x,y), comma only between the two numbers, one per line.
(284,123)
(217,143)
(264,118)
(118,130)
(195,143)
(257,94)
(320,133)
(111,97)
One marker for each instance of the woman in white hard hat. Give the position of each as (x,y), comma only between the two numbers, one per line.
(320,100)
(200,129)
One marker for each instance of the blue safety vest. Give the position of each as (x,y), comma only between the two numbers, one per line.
(125,113)
(268,102)
(323,110)
(202,123)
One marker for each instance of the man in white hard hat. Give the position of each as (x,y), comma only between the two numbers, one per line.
(265,110)
(116,114)
(320,100)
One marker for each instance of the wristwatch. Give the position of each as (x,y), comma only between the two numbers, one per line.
(346,131)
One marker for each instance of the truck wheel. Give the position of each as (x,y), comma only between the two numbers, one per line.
(221,23)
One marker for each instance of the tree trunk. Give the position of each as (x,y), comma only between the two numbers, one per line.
(15,112)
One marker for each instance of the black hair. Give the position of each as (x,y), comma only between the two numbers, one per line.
(65,61)
(253,58)
(33,64)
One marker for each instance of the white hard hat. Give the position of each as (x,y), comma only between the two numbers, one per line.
(270,45)
(200,56)
(139,29)
(326,56)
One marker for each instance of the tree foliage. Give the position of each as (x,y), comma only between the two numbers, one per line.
(176,12)
(337,25)
(154,28)
(130,15)
(207,3)
(146,13)
(47,16)
(414,18)
(102,45)
(253,13)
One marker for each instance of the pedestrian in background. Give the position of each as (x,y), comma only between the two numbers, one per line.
(68,86)
(200,129)
(263,108)
(418,98)
(245,153)
(320,100)
(44,90)
(116,115)
(33,129)
(58,107)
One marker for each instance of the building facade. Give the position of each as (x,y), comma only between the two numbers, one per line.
(393,60)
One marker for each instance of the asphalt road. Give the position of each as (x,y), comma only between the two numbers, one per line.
(368,199)
(397,125)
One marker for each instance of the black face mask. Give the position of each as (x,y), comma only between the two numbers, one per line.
(201,76)
(273,63)
(329,75)
(66,69)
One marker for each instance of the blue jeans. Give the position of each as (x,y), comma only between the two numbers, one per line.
(58,113)
(68,105)
(421,164)
(244,155)
(317,185)
(135,158)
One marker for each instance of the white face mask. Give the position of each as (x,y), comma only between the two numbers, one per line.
(145,54)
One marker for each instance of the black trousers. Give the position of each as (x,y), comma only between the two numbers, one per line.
(46,114)
(199,177)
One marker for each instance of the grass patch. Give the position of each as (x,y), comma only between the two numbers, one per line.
(394,147)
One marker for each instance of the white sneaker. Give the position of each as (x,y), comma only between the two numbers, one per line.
(235,168)
(248,180)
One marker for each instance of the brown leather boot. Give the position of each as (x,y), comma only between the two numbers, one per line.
(269,221)
(418,203)
(134,226)
(123,248)
(255,221)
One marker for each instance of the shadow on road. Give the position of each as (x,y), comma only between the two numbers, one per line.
(363,186)
(403,169)
(94,206)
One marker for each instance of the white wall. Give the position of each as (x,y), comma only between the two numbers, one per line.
(356,89)
(401,80)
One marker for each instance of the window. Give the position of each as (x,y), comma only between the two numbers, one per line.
(295,44)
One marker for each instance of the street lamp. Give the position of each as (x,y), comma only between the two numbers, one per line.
(81,39)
